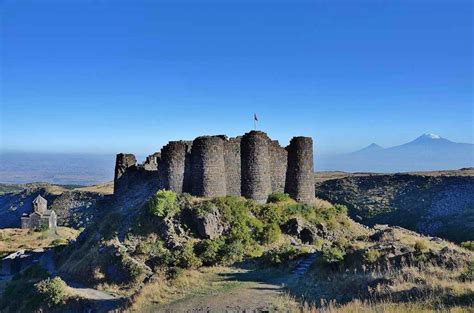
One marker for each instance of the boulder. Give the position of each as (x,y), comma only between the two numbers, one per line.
(210,225)
(301,229)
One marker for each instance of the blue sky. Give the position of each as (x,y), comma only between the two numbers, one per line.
(113,76)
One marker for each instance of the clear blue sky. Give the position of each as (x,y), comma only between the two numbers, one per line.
(113,76)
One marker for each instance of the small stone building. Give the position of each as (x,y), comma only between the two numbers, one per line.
(41,216)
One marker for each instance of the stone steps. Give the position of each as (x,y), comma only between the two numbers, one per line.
(302,267)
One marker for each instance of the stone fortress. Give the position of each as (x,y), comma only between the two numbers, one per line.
(252,166)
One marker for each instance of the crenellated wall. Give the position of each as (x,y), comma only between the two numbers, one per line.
(253,166)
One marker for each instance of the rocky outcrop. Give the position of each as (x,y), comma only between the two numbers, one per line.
(210,225)
(440,206)
(301,229)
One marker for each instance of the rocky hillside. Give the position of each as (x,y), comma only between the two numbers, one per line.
(146,243)
(76,206)
(436,203)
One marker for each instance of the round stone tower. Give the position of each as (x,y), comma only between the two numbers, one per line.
(172,166)
(255,170)
(300,173)
(208,167)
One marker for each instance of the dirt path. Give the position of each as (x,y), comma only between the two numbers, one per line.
(240,290)
(249,296)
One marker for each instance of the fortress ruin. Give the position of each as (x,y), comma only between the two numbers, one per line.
(252,166)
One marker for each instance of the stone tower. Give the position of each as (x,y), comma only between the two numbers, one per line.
(208,167)
(300,173)
(173,163)
(255,163)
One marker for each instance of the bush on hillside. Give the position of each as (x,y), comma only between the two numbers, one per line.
(163,204)
(420,246)
(185,257)
(53,291)
(371,256)
(270,233)
(333,254)
(278,197)
(281,255)
(210,251)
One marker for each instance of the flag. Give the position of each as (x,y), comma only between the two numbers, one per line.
(255,117)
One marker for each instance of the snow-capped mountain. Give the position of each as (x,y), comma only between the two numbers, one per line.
(425,153)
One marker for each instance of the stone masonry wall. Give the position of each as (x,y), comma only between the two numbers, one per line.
(255,162)
(151,162)
(253,166)
(232,166)
(172,165)
(299,178)
(208,167)
(278,166)
(123,162)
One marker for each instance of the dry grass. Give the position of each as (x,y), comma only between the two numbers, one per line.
(287,303)
(188,283)
(106,188)
(14,239)
(409,289)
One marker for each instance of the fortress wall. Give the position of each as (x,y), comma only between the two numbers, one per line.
(278,166)
(255,162)
(123,162)
(208,167)
(300,172)
(172,166)
(232,166)
(151,162)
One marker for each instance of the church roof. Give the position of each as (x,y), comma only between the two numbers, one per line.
(39,198)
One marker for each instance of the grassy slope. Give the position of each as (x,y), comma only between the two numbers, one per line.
(14,239)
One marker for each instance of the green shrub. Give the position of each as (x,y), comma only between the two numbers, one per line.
(469,245)
(186,258)
(53,291)
(43,228)
(203,208)
(163,204)
(271,233)
(333,254)
(210,251)
(281,255)
(420,246)
(278,197)
(131,267)
(468,274)
(371,256)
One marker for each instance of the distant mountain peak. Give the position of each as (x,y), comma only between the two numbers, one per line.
(370,148)
(430,136)
(374,146)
